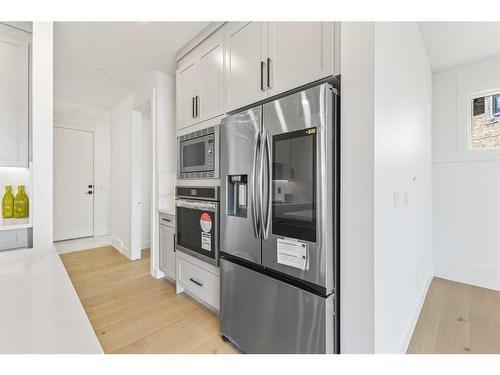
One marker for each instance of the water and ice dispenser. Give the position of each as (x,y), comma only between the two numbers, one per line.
(237,195)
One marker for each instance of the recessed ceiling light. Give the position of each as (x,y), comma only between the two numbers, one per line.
(102,71)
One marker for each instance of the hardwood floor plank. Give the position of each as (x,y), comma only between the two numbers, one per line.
(131,312)
(457,319)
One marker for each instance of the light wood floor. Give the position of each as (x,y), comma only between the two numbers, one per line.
(132,312)
(458,318)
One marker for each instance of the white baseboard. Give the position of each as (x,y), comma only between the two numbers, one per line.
(467,273)
(145,244)
(416,314)
(79,244)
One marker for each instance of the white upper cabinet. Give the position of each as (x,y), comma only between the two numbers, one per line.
(245,62)
(186,97)
(210,80)
(246,55)
(200,83)
(298,53)
(14,101)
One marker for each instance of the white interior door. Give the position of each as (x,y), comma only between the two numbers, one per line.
(73,184)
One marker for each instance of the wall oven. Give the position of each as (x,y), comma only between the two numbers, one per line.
(197,219)
(197,154)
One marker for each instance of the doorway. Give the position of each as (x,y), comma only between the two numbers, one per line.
(73,183)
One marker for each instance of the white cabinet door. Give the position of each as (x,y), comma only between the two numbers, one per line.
(246,53)
(210,79)
(186,92)
(299,53)
(14,102)
(167,251)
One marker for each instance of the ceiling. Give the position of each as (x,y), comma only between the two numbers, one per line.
(99,63)
(451,44)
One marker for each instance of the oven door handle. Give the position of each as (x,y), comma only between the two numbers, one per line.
(254,196)
(209,206)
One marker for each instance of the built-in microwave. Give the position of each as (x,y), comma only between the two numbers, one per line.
(197,154)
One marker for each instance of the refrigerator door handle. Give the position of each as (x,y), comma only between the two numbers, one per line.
(269,185)
(265,182)
(255,219)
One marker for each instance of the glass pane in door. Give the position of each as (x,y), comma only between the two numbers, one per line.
(294,184)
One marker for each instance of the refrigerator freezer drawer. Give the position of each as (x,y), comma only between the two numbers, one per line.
(260,314)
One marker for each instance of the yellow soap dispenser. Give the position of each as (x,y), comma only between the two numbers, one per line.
(8,203)
(21,203)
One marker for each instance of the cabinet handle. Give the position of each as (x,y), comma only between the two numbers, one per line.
(268,73)
(195,282)
(174,245)
(197,101)
(192,106)
(262,63)
(167,220)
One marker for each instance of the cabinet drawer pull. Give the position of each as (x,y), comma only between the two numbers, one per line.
(195,282)
(167,220)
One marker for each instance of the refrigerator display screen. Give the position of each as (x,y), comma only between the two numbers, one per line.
(294,184)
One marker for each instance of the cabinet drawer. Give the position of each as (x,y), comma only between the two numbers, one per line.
(199,282)
(168,220)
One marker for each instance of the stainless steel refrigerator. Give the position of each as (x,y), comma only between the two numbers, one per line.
(279,233)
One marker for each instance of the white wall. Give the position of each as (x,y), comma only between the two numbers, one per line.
(386,249)
(403,187)
(121,162)
(147,176)
(121,175)
(165,147)
(42,134)
(466,184)
(357,171)
(68,114)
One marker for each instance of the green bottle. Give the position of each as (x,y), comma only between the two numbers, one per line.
(21,203)
(8,203)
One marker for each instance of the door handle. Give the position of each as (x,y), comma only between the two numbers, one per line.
(255,221)
(264,209)
(262,65)
(269,185)
(195,282)
(268,73)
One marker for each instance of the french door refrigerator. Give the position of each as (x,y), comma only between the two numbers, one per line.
(279,235)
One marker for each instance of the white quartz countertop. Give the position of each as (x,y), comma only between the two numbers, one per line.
(40,311)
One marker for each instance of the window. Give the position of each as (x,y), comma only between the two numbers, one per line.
(496,105)
(485,126)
